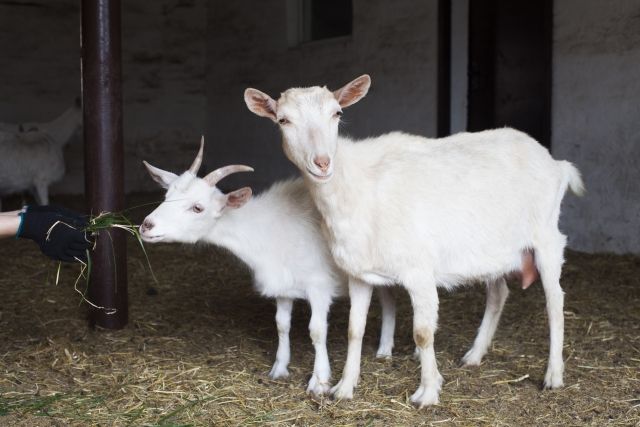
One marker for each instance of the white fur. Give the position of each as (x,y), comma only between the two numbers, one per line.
(427,213)
(277,234)
(31,158)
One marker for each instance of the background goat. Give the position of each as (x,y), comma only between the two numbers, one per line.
(31,157)
(400,208)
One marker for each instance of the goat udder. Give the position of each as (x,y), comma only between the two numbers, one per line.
(529,272)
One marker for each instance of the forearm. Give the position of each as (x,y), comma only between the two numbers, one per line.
(9,223)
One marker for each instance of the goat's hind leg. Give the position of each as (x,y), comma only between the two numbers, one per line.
(388,305)
(549,259)
(497,292)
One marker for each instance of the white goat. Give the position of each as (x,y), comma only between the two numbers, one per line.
(399,210)
(32,158)
(277,234)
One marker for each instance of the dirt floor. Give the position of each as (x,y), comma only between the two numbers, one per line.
(200,343)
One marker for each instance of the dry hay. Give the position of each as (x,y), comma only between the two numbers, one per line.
(199,345)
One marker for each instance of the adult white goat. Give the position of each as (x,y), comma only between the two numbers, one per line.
(400,208)
(32,158)
(277,234)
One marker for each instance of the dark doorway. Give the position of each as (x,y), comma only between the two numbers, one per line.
(510,66)
(325,19)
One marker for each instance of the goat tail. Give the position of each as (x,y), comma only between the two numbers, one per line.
(572,178)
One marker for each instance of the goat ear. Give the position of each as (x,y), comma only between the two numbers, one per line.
(238,198)
(260,103)
(353,92)
(164,178)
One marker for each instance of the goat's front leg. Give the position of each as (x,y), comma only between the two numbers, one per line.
(424,299)
(319,383)
(283,322)
(360,296)
(388,304)
(497,293)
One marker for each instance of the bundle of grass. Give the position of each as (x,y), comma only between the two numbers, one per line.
(97,227)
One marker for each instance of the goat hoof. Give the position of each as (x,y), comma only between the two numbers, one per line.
(553,379)
(384,353)
(278,372)
(425,396)
(342,391)
(318,387)
(472,358)
(429,394)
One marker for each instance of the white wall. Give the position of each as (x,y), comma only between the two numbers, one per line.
(248,46)
(596,119)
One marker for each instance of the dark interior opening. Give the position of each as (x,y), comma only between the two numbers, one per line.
(329,18)
(510,66)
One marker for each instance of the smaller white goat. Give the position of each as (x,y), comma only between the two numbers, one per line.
(31,156)
(277,234)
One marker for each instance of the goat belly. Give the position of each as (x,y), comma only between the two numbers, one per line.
(374,278)
(356,265)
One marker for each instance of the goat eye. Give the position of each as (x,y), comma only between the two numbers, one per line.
(283,121)
(338,113)
(197,208)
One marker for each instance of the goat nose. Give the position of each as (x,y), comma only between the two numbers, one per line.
(322,162)
(147,225)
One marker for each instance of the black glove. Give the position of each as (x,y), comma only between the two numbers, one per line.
(67,239)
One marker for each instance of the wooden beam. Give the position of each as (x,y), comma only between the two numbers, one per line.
(444,69)
(482,65)
(104,165)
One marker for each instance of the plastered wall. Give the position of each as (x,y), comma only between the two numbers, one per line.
(248,46)
(596,119)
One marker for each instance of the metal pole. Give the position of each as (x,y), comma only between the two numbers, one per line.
(104,165)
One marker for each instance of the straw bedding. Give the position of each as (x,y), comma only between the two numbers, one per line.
(200,342)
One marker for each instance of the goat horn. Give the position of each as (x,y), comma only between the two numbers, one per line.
(195,166)
(214,177)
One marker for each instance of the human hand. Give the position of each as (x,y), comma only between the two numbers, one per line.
(58,232)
